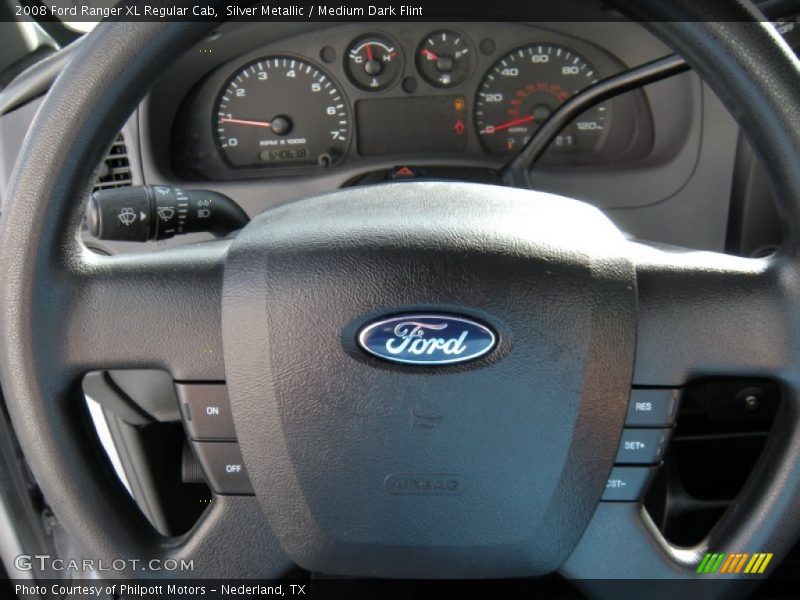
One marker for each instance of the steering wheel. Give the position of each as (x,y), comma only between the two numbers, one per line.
(528,433)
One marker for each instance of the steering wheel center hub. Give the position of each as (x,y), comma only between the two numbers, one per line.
(432,466)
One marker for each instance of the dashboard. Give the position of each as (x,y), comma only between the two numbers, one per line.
(467,94)
(660,161)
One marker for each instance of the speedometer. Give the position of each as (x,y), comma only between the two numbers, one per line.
(521,90)
(280,111)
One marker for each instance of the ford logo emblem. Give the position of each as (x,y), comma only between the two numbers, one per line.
(427,339)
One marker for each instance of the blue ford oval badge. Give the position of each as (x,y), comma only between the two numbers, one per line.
(427,339)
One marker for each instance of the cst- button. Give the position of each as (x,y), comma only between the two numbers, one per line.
(626,484)
(642,446)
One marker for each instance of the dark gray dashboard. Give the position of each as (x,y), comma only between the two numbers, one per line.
(400,115)
(676,191)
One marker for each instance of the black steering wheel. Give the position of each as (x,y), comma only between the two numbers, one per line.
(528,432)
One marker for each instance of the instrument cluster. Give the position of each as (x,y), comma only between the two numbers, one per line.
(467,94)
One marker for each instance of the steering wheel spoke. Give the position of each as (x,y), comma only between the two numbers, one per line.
(153,310)
(703,313)
(149,310)
(622,542)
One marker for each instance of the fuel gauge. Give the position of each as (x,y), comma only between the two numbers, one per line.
(373,62)
(444,58)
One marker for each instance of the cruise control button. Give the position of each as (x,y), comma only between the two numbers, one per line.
(652,408)
(224,468)
(206,411)
(627,484)
(642,446)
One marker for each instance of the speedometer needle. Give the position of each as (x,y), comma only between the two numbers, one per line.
(521,121)
(266,124)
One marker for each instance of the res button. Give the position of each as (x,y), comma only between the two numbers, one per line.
(652,408)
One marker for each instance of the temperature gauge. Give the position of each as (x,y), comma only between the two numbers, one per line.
(373,62)
(444,58)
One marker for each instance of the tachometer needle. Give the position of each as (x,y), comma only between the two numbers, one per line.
(521,121)
(266,124)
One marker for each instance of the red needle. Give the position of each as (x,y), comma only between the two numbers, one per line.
(266,124)
(507,124)
(369,51)
(429,55)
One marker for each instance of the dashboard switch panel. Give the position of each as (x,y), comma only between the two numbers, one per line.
(642,446)
(206,411)
(224,468)
(627,484)
(652,408)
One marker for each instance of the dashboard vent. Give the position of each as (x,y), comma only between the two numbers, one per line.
(115,171)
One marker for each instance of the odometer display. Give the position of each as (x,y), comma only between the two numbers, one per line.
(524,87)
(280,111)
(283,154)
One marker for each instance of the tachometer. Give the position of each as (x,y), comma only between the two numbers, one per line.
(280,111)
(521,90)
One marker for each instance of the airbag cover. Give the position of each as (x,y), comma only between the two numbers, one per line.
(488,468)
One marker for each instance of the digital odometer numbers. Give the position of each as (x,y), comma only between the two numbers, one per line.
(521,90)
(282,112)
